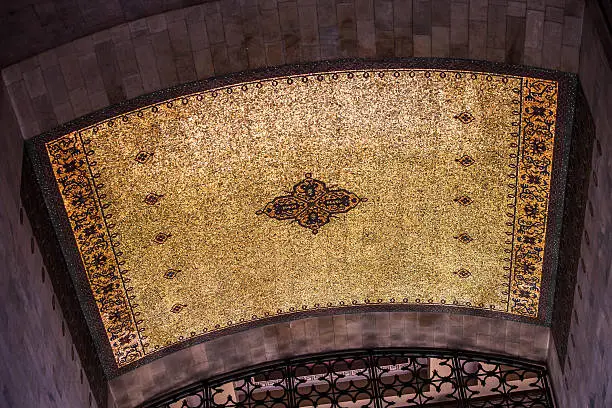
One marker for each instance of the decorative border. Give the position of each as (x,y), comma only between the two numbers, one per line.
(70,160)
(37,151)
(536,145)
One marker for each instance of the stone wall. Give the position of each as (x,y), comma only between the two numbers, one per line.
(584,378)
(328,333)
(225,36)
(38,363)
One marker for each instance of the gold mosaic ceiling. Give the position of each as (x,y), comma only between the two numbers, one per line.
(331,190)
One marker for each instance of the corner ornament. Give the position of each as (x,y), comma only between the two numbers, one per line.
(311,204)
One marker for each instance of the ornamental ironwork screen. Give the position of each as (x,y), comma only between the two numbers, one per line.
(376,378)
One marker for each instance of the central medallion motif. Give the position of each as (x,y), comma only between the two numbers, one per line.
(311,203)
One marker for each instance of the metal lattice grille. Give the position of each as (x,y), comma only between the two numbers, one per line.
(378,378)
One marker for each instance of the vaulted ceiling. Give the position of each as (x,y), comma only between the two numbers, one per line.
(363,187)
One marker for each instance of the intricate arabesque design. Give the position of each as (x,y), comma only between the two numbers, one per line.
(377,378)
(531,167)
(69,158)
(539,111)
(311,204)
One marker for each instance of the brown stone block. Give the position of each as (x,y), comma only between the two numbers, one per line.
(517,8)
(551,49)
(298,334)
(534,29)
(164,57)
(440,13)
(43,109)
(366,39)
(268,4)
(536,5)
(403,46)
(421,22)
(554,14)
(291,43)
(35,84)
(459,25)
(220,59)
(185,68)
(126,58)
(383,15)
(421,45)
(574,8)
(570,58)
(385,44)
(440,41)
(347,29)
(478,10)
(179,38)
(532,56)
(275,54)
(132,86)
(310,52)
(515,39)
(194,14)
(311,329)
(198,38)
(270,24)
(121,33)
(92,75)
(63,112)
(202,60)
(402,14)
(47,59)
(156,23)
(364,10)
(478,40)
(238,59)
(326,13)
(72,72)
(309,31)
(572,31)
(176,14)
(214,24)
(496,27)
(288,17)
(285,346)
(256,52)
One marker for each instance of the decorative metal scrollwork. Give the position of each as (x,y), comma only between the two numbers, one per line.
(378,378)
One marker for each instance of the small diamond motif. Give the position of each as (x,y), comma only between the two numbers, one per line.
(177,307)
(465,160)
(464,200)
(463,273)
(143,157)
(464,238)
(465,117)
(161,237)
(171,273)
(152,198)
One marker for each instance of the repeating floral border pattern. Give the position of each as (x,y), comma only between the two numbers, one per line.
(538,119)
(81,195)
(81,192)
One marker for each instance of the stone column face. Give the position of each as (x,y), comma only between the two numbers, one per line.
(580,363)
(39,364)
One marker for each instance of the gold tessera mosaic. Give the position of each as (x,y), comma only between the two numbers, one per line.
(330,190)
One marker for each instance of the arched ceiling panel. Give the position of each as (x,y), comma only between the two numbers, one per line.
(377,187)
